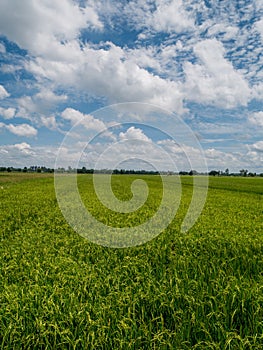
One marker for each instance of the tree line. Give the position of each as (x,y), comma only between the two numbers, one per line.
(84,170)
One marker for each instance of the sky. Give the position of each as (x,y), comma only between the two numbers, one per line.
(196,64)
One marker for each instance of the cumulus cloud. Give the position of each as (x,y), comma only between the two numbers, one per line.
(186,157)
(26,107)
(134,134)
(44,97)
(20,130)
(109,72)
(3,93)
(39,25)
(119,74)
(87,120)
(49,122)
(170,16)
(41,103)
(19,154)
(214,80)
(22,147)
(256,118)
(7,113)
(48,96)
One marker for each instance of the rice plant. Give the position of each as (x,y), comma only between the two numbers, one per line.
(200,290)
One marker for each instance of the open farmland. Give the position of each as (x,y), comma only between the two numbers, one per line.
(200,290)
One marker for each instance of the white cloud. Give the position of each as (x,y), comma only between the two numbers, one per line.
(186,157)
(26,107)
(49,122)
(40,103)
(23,147)
(221,128)
(10,68)
(162,59)
(255,155)
(170,16)
(258,90)
(228,32)
(259,28)
(23,154)
(72,115)
(7,113)
(20,130)
(234,157)
(142,36)
(48,96)
(38,25)
(3,92)
(214,80)
(87,120)
(118,74)
(160,16)
(258,146)
(256,118)
(134,134)
(109,72)
(144,57)
(2,48)
(126,153)
(220,160)
(17,155)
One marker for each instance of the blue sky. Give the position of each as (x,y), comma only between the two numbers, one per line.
(62,60)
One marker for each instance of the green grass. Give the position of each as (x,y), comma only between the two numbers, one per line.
(200,290)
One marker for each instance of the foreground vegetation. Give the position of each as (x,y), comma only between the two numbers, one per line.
(200,290)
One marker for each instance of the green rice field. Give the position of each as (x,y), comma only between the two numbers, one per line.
(199,290)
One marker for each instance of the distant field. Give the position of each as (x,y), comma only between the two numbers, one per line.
(200,290)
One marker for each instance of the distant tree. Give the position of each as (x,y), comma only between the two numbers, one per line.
(227,172)
(193,172)
(243,172)
(214,173)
